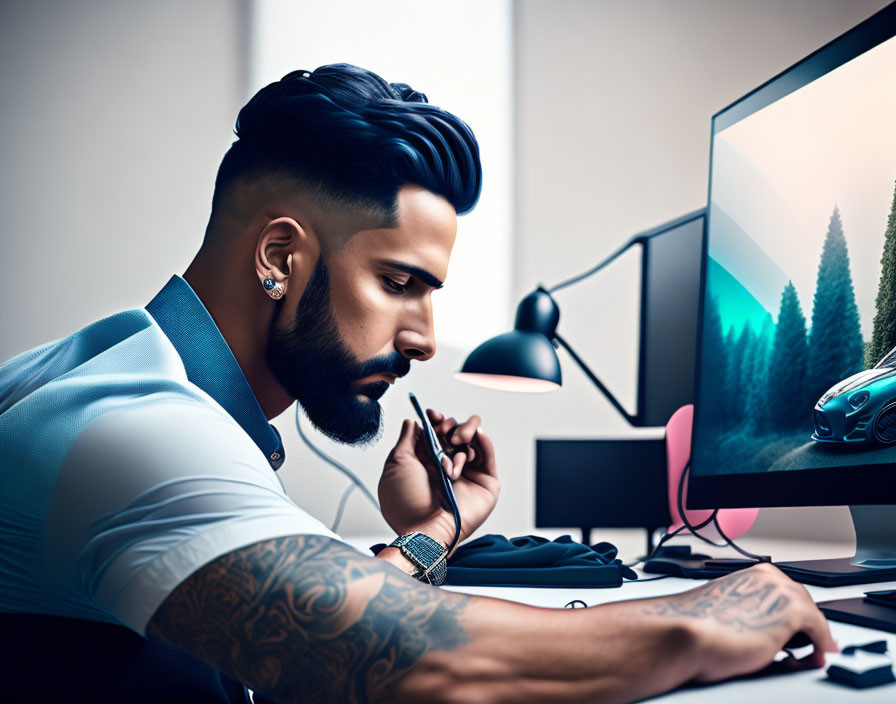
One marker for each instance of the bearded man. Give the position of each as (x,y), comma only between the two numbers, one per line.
(149,552)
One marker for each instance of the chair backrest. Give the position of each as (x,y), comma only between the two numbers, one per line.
(57,659)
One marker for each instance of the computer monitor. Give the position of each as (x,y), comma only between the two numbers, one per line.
(796,375)
(670,294)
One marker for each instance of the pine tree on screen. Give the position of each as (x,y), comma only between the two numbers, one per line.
(738,376)
(714,364)
(883,333)
(760,354)
(786,407)
(835,340)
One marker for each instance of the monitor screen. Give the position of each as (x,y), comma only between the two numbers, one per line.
(796,374)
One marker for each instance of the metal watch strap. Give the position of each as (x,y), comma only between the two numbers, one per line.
(426,554)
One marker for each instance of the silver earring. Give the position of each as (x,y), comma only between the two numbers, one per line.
(273,289)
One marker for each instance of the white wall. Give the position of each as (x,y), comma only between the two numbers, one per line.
(115,116)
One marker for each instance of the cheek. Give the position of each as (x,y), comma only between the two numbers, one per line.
(365,316)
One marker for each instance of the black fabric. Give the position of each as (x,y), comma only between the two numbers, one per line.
(56,659)
(530,560)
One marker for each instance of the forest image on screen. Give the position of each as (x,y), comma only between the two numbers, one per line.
(798,349)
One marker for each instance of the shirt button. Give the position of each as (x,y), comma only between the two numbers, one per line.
(275,456)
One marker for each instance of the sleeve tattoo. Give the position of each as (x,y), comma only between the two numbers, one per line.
(742,600)
(308,618)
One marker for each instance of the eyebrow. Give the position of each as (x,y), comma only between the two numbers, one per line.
(421,274)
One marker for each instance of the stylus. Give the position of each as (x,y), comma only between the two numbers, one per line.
(440,457)
(436,451)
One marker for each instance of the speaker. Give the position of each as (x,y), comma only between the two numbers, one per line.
(616,483)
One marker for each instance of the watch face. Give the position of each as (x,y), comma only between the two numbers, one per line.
(427,554)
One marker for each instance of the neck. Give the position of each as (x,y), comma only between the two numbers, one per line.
(243,314)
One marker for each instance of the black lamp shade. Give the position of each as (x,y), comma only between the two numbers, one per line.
(515,361)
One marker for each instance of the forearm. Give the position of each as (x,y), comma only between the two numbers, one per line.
(517,653)
(308,619)
(614,653)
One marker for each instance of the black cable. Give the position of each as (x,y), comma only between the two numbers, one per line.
(597,267)
(665,539)
(654,579)
(681,512)
(685,525)
(745,553)
(341,507)
(448,492)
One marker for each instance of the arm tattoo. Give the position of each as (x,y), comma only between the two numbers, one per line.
(741,599)
(307,617)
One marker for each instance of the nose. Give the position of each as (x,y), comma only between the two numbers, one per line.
(417,340)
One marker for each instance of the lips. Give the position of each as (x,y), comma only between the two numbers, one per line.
(374,378)
(372,390)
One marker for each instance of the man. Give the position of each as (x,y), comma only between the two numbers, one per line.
(137,460)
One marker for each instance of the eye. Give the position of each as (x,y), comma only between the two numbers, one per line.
(394,286)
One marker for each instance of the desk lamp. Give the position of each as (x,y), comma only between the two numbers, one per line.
(525,358)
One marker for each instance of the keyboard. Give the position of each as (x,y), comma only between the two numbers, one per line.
(877,609)
(885,597)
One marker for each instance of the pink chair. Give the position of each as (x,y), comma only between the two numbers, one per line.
(735,521)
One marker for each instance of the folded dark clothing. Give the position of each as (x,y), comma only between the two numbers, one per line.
(530,560)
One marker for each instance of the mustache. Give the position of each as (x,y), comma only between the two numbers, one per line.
(393,363)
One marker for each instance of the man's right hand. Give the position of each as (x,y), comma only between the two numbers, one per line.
(305,617)
(744,619)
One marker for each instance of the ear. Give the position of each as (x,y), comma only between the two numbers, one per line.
(287,253)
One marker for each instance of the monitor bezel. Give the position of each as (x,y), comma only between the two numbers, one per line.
(808,487)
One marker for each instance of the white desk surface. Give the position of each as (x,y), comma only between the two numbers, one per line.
(809,686)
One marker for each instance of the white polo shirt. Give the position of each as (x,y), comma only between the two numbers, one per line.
(132,453)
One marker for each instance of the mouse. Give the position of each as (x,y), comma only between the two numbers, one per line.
(798,640)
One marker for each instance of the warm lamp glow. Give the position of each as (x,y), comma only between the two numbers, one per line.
(503,382)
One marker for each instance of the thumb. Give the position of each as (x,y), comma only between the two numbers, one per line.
(406,437)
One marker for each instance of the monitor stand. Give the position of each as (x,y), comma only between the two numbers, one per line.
(875,558)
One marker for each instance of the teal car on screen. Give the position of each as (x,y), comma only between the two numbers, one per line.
(860,409)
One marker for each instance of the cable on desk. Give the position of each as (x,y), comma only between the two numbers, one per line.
(714,518)
(745,553)
(686,525)
(684,519)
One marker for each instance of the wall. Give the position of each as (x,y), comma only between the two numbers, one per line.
(115,116)
(613,107)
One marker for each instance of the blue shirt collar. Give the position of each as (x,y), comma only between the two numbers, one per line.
(210,364)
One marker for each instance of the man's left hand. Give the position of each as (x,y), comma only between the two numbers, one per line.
(410,489)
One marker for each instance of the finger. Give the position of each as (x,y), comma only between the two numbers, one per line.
(794,664)
(434,416)
(816,627)
(406,437)
(445,427)
(483,445)
(464,433)
(830,645)
(457,464)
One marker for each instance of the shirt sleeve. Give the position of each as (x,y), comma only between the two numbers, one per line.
(149,495)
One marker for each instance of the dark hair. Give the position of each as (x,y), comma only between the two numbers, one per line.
(355,139)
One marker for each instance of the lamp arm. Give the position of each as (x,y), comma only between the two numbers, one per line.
(597,267)
(632,420)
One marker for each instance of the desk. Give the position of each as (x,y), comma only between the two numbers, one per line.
(810,686)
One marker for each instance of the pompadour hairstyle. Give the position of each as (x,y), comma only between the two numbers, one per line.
(355,139)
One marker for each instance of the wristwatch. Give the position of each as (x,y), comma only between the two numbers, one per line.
(427,555)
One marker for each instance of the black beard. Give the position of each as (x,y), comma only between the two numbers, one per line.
(313,364)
